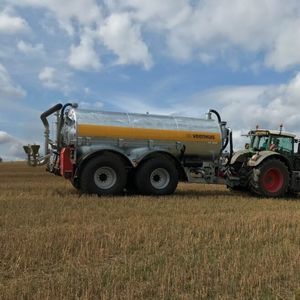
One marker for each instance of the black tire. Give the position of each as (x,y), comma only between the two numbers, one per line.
(130,184)
(156,176)
(75,183)
(238,188)
(270,179)
(104,175)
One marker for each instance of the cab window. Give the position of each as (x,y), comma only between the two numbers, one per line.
(260,142)
(284,144)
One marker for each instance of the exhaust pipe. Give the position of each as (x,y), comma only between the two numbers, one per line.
(32,151)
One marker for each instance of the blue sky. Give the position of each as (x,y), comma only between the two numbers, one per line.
(181,57)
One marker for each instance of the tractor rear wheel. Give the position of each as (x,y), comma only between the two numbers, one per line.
(270,179)
(104,175)
(157,176)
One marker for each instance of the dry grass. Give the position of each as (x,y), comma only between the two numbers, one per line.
(202,242)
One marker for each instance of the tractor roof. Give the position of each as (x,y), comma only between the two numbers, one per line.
(271,132)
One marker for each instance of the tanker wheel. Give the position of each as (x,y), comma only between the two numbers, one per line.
(104,175)
(157,176)
(272,179)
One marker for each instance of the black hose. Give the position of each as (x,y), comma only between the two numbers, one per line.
(217,114)
(225,144)
(49,112)
(230,149)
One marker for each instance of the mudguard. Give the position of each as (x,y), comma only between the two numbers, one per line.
(259,157)
(239,156)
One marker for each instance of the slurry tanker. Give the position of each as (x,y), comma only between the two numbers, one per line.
(109,153)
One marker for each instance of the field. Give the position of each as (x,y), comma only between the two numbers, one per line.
(202,242)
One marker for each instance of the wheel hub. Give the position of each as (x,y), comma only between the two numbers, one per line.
(160,178)
(273,180)
(105,177)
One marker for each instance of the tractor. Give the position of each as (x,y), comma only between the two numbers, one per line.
(269,165)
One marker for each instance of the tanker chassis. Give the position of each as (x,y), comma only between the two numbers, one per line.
(107,153)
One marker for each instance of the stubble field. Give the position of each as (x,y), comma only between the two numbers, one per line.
(202,242)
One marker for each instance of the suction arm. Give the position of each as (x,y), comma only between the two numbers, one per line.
(49,112)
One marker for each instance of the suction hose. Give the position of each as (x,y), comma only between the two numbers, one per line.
(43,117)
(228,139)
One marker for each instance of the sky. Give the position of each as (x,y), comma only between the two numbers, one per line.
(180,57)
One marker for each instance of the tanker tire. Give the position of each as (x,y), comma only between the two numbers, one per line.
(75,184)
(271,179)
(130,184)
(156,176)
(104,175)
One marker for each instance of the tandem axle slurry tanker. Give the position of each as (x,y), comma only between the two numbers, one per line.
(106,153)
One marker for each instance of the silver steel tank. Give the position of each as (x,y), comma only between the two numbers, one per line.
(200,137)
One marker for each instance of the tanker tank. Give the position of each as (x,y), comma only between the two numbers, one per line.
(198,137)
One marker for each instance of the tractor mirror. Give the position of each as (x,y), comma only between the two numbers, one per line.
(298,148)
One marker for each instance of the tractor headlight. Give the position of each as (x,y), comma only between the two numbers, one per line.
(255,157)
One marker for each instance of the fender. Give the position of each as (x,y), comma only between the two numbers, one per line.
(142,154)
(261,156)
(85,153)
(239,156)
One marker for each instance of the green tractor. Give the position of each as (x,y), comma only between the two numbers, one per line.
(268,166)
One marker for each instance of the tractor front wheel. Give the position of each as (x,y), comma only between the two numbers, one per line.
(270,179)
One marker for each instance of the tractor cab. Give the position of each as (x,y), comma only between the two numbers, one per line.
(272,140)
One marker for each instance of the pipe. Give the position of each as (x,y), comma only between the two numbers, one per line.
(43,117)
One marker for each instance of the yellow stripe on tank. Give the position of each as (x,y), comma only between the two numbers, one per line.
(147,133)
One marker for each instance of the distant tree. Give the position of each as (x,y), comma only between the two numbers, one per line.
(1,160)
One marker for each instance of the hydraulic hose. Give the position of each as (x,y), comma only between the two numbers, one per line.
(217,114)
(222,125)
(230,148)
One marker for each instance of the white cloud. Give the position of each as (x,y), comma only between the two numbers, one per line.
(84,57)
(208,30)
(5,137)
(30,49)
(158,14)
(9,89)
(10,147)
(286,50)
(47,76)
(91,105)
(55,79)
(124,38)
(11,24)
(86,12)
(246,106)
